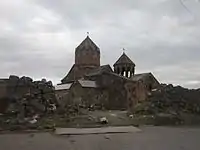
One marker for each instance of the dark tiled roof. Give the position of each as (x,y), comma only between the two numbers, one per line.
(119,76)
(77,72)
(99,70)
(124,59)
(146,77)
(63,86)
(141,76)
(87,43)
(111,73)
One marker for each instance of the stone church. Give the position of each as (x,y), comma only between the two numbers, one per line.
(87,58)
(89,83)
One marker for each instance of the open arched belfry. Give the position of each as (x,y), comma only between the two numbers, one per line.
(124,66)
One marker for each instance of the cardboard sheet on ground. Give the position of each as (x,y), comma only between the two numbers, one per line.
(79,131)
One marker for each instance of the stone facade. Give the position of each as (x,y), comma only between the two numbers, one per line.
(115,87)
(148,80)
(136,92)
(85,96)
(87,58)
(81,92)
(62,96)
(87,53)
(110,93)
(119,89)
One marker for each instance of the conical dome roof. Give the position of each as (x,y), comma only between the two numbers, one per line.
(87,43)
(124,59)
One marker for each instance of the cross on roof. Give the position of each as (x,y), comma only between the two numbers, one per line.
(123,50)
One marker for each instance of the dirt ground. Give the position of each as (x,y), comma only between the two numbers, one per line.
(115,118)
(151,138)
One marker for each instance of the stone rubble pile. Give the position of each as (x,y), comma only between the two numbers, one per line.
(28,100)
(172,100)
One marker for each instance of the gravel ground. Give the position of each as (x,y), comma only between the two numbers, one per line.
(151,138)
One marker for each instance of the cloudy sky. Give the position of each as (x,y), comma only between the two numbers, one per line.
(38,37)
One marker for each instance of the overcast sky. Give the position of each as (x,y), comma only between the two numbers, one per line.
(38,37)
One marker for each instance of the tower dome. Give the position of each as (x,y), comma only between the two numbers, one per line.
(124,66)
(87,53)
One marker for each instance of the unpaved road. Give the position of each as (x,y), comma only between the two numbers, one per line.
(151,138)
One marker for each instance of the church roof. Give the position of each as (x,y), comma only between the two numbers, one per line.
(99,70)
(76,72)
(87,43)
(146,78)
(88,83)
(63,87)
(124,59)
(141,76)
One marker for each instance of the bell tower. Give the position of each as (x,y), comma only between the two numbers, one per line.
(124,66)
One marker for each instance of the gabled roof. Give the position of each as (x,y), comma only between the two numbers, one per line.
(118,76)
(88,83)
(124,59)
(82,82)
(111,73)
(77,72)
(145,77)
(99,70)
(141,76)
(87,43)
(63,86)
(70,76)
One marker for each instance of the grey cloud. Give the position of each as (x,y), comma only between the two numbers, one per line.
(38,38)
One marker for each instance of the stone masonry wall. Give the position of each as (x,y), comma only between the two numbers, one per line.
(115,87)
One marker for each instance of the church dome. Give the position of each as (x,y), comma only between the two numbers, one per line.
(124,66)
(87,53)
(124,59)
